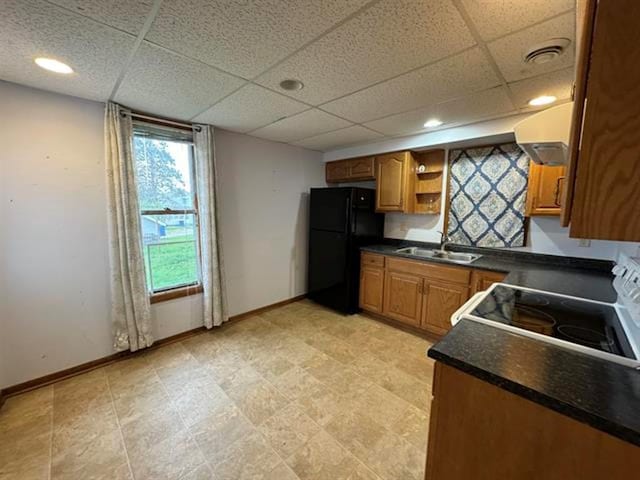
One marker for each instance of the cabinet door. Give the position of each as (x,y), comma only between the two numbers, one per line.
(371,288)
(544,191)
(362,168)
(337,171)
(403,297)
(440,301)
(481,280)
(607,187)
(391,182)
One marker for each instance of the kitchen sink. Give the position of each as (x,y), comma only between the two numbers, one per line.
(454,257)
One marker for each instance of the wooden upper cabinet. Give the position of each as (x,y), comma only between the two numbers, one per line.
(481,280)
(603,190)
(362,168)
(439,303)
(351,170)
(336,172)
(392,186)
(544,192)
(403,297)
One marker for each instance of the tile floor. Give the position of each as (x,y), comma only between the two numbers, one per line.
(295,393)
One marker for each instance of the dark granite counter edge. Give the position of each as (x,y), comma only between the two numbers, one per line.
(510,255)
(573,278)
(599,423)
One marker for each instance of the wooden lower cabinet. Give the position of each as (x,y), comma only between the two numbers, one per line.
(371,288)
(440,301)
(420,294)
(482,279)
(482,432)
(402,297)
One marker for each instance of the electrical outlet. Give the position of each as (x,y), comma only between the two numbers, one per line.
(584,242)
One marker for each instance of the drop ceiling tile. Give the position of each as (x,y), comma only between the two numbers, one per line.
(496,18)
(245,37)
(481,105)
(339,138)
(168,84)
(386,40)
(249,108)
(127,15)
(33,28)
(453,77)
(305,124)
(509,51)
(558,84)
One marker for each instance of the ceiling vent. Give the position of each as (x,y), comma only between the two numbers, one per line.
(546,51)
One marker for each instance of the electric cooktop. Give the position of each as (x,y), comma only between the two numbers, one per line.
(581,322)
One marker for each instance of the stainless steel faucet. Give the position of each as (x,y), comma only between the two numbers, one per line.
(444,241)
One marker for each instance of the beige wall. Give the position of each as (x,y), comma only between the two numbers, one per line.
(54,310)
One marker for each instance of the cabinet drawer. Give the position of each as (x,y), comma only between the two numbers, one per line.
(430,270)
(372,260)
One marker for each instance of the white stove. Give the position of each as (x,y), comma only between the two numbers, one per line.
(610,331)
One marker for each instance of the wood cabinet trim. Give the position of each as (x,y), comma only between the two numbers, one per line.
(579,97)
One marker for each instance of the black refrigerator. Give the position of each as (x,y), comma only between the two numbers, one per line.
(341,220)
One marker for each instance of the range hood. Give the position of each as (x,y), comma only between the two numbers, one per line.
(544,136)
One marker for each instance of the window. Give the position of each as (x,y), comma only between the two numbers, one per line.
(164,164)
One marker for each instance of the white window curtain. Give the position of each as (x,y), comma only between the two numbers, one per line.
(213,284)
(130,308)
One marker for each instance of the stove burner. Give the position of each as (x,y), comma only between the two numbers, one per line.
(577,305)
(533,319)
(585,335)
(533,300)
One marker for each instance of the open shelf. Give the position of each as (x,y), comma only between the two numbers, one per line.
(428,203)
(428,183)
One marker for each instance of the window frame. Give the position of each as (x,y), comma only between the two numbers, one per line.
(171,134)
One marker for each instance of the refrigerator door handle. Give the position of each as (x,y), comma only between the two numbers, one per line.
(347,217)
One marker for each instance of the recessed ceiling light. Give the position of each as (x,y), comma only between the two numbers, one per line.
(432,123)
(542,100)
(291,84)
(53,65)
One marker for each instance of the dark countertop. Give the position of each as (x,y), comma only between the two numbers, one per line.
(602,394)
(584,278)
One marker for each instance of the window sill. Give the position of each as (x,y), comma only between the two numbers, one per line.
(175,293)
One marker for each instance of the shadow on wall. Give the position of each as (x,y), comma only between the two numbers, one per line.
(298,265)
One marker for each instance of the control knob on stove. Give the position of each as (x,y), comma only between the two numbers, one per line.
(619,270)
(634,294)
